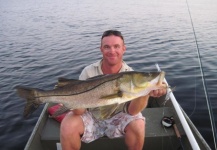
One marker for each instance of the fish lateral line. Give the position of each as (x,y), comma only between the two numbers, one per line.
(59,95)
(40,90)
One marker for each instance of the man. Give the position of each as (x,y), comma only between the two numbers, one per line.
(88,124)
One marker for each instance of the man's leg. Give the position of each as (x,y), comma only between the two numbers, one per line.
(71,129)
(135,134)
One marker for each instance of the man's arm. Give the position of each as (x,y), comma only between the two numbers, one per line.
(137,105)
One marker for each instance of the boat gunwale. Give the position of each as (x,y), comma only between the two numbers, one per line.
(39,123)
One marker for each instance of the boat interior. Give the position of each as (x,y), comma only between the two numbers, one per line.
(157,136)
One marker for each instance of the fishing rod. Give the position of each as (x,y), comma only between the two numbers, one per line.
(170,122)
(180,114)
(212,120)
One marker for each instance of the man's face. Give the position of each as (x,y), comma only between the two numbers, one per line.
(112,48)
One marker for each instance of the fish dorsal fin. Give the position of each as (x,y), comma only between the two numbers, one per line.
(107,111)
(64,81)
(60,111)
(61,79)
(116,95)
(99,76)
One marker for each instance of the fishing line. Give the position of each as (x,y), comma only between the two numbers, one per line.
(204,82)
(195,93)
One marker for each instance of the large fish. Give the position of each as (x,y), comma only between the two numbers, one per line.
(95,92)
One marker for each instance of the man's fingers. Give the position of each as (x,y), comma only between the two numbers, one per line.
(157,93)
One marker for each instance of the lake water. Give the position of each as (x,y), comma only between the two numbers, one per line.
(46,39)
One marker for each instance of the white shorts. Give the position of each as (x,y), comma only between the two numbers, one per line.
(112,127)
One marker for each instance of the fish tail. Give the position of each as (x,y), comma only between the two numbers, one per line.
(32,102)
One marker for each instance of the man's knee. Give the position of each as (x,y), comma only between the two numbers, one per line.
(70,132)
(135,133)
(71,124)
(136,126)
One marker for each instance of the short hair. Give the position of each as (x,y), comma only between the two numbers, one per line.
(112,32)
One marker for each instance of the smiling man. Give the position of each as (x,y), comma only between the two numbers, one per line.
(125,119)
(112,48)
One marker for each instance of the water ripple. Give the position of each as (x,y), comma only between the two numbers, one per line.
(41,41)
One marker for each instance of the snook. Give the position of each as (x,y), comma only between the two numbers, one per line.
(94,92)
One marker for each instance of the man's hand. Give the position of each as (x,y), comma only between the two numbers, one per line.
(158,93)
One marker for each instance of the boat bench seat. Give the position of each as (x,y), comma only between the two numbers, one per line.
(156,135)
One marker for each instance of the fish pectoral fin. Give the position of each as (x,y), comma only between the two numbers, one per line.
(60,111)
(106,111)
(116,95)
